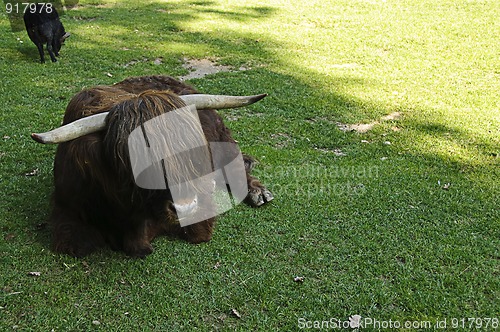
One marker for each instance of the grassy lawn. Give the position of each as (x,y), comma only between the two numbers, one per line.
(397,222)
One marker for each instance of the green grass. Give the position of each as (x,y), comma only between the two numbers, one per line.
(372,232)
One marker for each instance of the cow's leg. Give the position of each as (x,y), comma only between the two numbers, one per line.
(199,232)
(50,48)
(39,45)
(56,45)
(257,194)
(72,235)
(136,241)
(34,35)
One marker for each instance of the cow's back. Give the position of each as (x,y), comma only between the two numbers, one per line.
(155,82)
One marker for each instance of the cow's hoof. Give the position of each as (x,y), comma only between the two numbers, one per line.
(139,252)
(259,197)
(75,251)
(199,232)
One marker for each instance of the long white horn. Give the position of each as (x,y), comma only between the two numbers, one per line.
(219,101)
(94,123)
(72,130)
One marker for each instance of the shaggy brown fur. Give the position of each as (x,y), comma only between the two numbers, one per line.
(96,201)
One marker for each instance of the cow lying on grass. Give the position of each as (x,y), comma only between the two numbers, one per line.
(97,200)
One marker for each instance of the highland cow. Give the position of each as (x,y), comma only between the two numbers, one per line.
(96,201)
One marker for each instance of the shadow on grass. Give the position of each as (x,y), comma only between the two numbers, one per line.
(466,151)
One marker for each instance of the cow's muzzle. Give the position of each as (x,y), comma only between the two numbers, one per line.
(185,207)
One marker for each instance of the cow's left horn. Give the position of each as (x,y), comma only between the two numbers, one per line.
(219,102)
(93,123)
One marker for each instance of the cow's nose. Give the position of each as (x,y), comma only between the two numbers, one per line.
(186,207)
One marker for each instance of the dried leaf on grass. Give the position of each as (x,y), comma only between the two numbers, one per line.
(9,237)
(32,173)
(86,266)
(235,313)
(445,186)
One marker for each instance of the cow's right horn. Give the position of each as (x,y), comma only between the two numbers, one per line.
(94,123)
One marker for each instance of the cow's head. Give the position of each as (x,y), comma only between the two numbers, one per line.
(64,37)
(97,122)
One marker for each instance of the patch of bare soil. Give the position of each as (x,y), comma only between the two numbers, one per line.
(365,127)
(281,140)
(337,152)
(156,61)
(202,67)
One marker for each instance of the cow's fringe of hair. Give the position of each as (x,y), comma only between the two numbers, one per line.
(94,101)
(155,82)
(128,111)
(133,112)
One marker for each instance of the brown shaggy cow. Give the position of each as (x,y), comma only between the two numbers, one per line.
(96,201)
